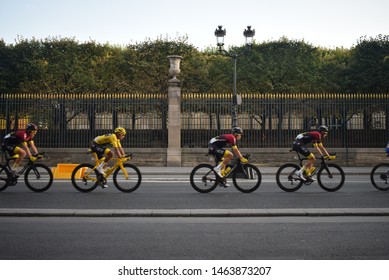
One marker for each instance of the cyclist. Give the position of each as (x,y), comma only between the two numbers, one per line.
(218,146)
(19,143)
(100,143)
(315,137)
(387,148)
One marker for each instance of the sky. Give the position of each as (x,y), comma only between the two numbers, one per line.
(326,23)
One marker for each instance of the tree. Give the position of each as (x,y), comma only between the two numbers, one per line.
(368,71)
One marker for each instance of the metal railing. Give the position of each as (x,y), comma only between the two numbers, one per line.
(274,120)
(73,120)
(268,120)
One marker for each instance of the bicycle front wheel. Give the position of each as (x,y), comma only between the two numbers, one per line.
(287,179)
(84,178)
(203,179)
(127,179)
(248,179)
(3,178)
(379,176)
(38,177)
(330,177)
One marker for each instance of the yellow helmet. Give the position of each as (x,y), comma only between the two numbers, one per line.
(120,130)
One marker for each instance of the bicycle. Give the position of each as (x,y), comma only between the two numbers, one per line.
(330,176)
(126,177)
(246,177)
(37,176)
(379,176)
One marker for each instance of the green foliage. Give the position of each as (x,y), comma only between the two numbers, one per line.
(63,65)
(369,65)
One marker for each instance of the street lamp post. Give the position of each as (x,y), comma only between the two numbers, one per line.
(249,35)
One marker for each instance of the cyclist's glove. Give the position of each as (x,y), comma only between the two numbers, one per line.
(244,160)
(330,157)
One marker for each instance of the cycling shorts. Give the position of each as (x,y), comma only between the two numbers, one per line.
(300,148)
(100,150)
(217,152)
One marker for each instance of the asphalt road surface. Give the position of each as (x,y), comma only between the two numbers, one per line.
(152,238)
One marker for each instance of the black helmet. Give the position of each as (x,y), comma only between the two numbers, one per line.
(31,127)
(237,130)
(322,128)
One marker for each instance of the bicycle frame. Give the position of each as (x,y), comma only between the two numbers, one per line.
(118,164)
(321,164)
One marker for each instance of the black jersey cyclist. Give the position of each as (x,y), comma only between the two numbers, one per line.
(18,144)
(316,138)
(219,145)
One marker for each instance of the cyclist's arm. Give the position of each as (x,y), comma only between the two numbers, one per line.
(320,148)
(33,147)
(25,147)
(237,152)
(120,151)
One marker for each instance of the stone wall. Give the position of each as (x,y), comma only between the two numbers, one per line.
(191,157)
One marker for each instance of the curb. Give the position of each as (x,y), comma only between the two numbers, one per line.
(310,212)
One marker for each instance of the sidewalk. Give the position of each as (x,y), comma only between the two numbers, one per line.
(147,170)
(309,212)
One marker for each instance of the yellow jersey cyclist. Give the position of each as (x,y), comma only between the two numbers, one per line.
(315,137)
(100,147)
(18,145)
(219,145)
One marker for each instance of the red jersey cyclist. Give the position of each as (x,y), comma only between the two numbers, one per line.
(218,146)
(100,147)
(315,137)
(18,145)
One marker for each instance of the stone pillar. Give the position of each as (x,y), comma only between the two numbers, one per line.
(174,115)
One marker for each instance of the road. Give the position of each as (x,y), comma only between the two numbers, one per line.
(212,237)
(170,192)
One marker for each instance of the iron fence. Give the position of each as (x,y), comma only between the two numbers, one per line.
(268,120)
(73,120)
(274,120)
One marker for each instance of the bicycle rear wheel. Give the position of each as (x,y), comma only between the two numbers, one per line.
(3,178)
(248,179)
(330,177)
(203,179)
(379,176)
(287,179)
(38,177)
(127,180)
(84,178)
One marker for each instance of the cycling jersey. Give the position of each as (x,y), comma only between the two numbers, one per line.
(308,137)
(107,139)
(305,138)
(218,145)
(100,144)
(223,141)
(16,139)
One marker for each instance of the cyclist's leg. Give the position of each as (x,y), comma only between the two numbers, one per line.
(19,154)
(301,149)
(101,152)
(226,158)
